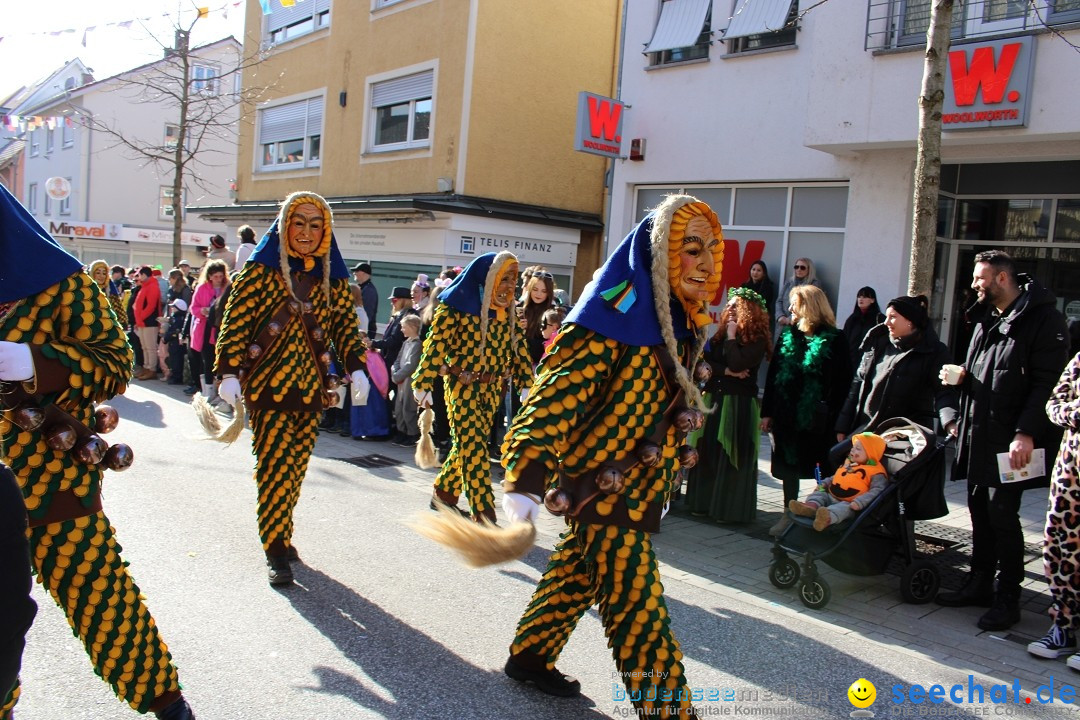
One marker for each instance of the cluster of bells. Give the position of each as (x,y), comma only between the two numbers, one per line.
(87,447)
(333,382)
(612,480)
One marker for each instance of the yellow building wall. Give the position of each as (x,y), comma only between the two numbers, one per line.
(532,60)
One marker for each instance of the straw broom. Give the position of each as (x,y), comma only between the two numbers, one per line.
(425,457)
(478,544)
(212,425)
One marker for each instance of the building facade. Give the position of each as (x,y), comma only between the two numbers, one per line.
(90,177)
(798,122)
(437,129)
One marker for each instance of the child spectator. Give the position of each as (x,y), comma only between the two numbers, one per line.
(552,320)
(405,409)
(854,486)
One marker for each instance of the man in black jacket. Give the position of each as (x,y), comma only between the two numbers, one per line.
(1016,354)
(370,295)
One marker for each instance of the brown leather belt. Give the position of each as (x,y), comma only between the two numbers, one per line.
(469,376)
(66,505)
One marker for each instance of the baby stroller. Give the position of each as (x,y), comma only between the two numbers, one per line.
(863,545)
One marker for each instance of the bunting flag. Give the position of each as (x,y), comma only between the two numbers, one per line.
(266,7)
(24,123)
(203,12)
(287,3)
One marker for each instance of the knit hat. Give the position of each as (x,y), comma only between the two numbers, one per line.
(874,445)
(912,308)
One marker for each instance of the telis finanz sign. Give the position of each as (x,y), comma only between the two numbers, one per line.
(988,85)
(599,125)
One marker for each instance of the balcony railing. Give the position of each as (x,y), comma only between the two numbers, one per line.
(902,23)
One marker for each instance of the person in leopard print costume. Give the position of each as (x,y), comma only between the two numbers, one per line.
(1061,550)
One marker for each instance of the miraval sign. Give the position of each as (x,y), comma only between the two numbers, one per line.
(988,85)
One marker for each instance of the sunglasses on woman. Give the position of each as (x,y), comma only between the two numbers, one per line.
(801,267)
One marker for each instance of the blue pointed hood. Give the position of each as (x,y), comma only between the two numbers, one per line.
(32,259)
(620,304)
(466,292)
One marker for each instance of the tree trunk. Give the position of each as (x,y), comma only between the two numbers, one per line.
(928,153)
(180,162)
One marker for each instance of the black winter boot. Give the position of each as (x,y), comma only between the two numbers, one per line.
(977,591)
(1004,612)
(176,710)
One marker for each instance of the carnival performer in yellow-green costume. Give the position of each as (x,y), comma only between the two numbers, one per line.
(474,345)
(288,304)
(62,345)
(601,432)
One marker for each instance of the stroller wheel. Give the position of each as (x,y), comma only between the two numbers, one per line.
(919,583)
(784,573)
(815,594)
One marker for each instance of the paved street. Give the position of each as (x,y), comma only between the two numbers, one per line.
(383,624)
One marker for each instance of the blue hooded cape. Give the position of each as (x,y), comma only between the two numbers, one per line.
(466,293)
(268,253)
(30,259)
(619,304)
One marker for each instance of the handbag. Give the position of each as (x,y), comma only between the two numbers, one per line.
(376,370)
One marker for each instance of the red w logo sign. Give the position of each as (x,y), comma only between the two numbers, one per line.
(994,79)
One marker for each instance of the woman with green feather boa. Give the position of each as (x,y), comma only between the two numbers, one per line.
(808,381)
(723,485)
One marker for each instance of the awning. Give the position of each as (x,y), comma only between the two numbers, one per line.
(679,24)
(757,17)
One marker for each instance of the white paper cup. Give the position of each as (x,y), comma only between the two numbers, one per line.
(953,374)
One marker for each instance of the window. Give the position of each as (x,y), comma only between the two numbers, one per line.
(683,32)
(65,204)
(896,23)
(286,23)
(67,138)
(204,79)
(291,135)
(385,3)
(35,142)
(48,205)
(1064,10)
(165,209)
(50,140)
(31,198)
(761,24)
(172,136)
(401,112)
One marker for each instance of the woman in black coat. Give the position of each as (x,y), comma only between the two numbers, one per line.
(867,314)
(898,372)
(761,283)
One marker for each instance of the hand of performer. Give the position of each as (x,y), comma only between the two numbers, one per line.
(229,390)
(16,362)
(423,398)
(361,386)
(520,507)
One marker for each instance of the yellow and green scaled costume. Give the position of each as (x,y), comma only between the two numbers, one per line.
(610,383)
(469,335)
(81,357)
(283,386)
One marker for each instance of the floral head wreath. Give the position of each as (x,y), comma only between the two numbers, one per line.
(748,295)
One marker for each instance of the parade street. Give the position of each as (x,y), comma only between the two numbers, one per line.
(382,623)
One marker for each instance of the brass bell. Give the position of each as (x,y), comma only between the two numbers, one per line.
(333,382)
(308,308)
(28,416)
(91,450)
(61,437)
(649,453)
(684,420)
(317,333)
(688,457)
(444,370)
(118,457)
(254,351)
(105,419)
(698,418)
(702,372)
(294,307)
(610,480)
(325,358)
(558,501)
(677,482)
(329,399)
(274,329)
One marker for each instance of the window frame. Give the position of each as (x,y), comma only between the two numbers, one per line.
(50,140)
(411,142)
(311,142)
(165,204)
(35,143)
(67,134)
(690,53)
(318,16)
(210,83)
(1055,16)
(768,40)
(32,197)
(170,145)
(65,204)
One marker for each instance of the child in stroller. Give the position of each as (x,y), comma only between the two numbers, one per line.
(859,480)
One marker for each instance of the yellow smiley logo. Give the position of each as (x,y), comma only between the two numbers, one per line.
(862,693)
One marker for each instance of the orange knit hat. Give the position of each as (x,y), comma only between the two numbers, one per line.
(873,444)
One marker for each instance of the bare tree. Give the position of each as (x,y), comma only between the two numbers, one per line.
(928,150)
(207,110)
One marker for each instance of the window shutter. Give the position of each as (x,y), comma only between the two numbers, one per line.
(284,122)
(315,114)
(757,17)
(404,89)
(679,25)
(280,17)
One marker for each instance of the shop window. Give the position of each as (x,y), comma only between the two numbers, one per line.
(296,20)
(31,198)
(683,32)
(401,112)
(1009,221)
(290,135)
(761,206)
(762,24)
(204,79)
(819,207)
(1067,224)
